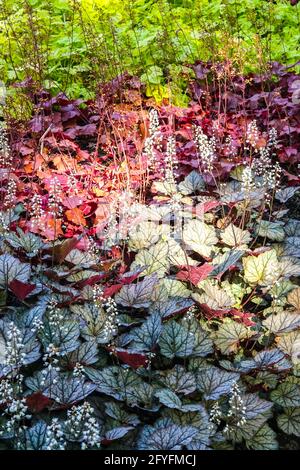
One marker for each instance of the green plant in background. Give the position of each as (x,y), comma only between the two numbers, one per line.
(71,45)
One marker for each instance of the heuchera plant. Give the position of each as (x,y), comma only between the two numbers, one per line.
(149,268)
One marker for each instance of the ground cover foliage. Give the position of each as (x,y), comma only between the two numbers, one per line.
(149,267)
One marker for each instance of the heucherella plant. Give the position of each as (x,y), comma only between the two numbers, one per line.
(158,305)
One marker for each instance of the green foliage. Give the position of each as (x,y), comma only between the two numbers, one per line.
(71,45)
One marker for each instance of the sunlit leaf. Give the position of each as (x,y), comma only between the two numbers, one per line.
(289,343)
(170,288)
(154,258)
(146,234)
(213,296)
(294,298)
(230,334)
(262,269)
(200,237)
(234,236)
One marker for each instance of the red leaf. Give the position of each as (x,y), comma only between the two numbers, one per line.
(129,279)
(37,402)
(91,281)
(61,251)
(195,274)
(72,202)
(76,216)
(241,317)
(112,290)
(20,289)
(207,206)
(133,359)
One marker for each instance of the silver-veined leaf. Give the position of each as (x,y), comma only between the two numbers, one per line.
(192,183)
(137,295)
(289,422)
(179,380)
(263,439)
(272,230)
(287,394)
(11,268)
(168,398)
(292,228)
(284,194)
(114,381)
(292,247)
(214,382)
(282,322)
(225,261)
(117,433)
(28,242)
(167,437)
(229,335)
(176,341)
(67,389)
(145,337)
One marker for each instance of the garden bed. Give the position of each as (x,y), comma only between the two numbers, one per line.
(149,267)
